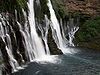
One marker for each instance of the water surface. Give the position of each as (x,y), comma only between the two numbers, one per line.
(84,62)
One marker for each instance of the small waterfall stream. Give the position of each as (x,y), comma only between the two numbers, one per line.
(72,29)
(36,46)
(60,39)
(4,35)
(55,27)
(44,32)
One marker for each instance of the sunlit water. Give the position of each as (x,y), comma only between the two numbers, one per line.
(84,62)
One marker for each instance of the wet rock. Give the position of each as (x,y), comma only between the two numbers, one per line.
(15,48)
(7,68)
(20,44)
(52,45)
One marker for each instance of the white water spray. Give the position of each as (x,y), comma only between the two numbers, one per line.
(72,29)
(56,29)
(33,43)
(58,35)
(3,34)
(36,40)
(44,31)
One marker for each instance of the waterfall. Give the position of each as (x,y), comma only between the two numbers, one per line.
(33,44)
(37,44)
(26,36)
(4,34)
(44,32)
(72,29)
(27,42)
(55,26)
(59,35)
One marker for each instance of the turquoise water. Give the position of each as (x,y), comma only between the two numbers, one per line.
(84,62)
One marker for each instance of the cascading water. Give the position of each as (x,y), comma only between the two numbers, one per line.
(56,29)
(64,30)
(59,35)
(36,46)
(32,42)
(55,26)
(27,42)
(44,32)
(72,29)
(4,34)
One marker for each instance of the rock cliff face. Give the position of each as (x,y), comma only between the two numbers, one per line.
(90,7)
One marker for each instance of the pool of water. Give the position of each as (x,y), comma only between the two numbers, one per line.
(84,62)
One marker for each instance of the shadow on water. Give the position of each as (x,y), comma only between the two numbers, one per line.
(84,62)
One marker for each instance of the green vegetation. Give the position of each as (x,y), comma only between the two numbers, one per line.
(89,30)
(43,9)
(22,3)
(89,34)
(59,8)
(11,5)
(8,5)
